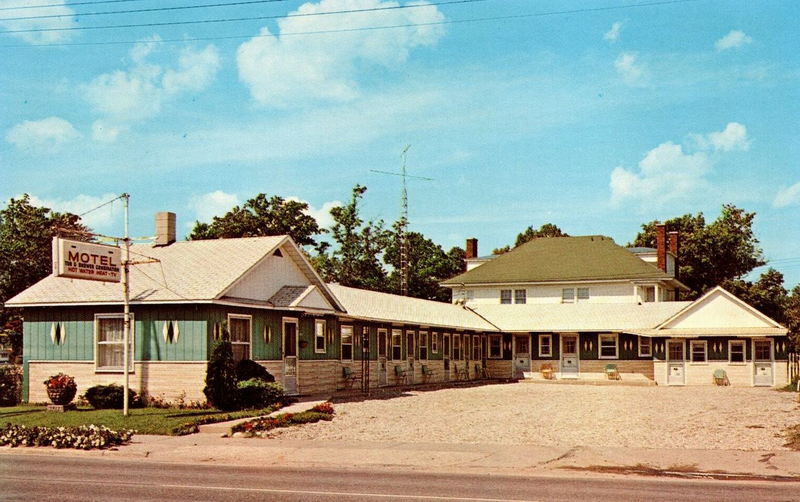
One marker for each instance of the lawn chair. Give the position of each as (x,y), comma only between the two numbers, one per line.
(460,373)
(480,371)
(427,373)
(547,371)
(612,372)
(349,377)
(401,374)
(720,377)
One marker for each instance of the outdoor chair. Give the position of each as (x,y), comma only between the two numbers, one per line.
(480,371)
(612,372)
(349,377)
(401,374)
(427,373)
(547,371)
(720,377)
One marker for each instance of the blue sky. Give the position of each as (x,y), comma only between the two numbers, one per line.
(595,116)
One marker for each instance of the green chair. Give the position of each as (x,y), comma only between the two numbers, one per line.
(427,373)
(612,372)
(401,374)
(349,377)
(720,377)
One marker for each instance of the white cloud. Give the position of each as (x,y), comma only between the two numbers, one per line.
(323,214)
(735,38)
(127,96)
(733,137)
(612,35)
(46,133)
(788,196)
(632,73)
(211,204)
(55,8)
(102,218)
(280,69)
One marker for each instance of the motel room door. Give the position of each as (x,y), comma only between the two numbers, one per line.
(446,356)
(410,351)
(522,355)
(383,336)
(569,356)
(762,363)
(290,356)
(676,362)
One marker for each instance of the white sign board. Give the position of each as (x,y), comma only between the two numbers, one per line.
(85,260)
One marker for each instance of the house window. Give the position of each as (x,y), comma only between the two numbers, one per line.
(505,296)
(397,340)
(410,344)
(736,351)
(423,345)
(583,294)
(466,347)
(648,294)
(239,328)
(319,336)
(699,348)
(608,346)
(545,345)
(456,347)
(762,350)
(519,296)
(567,295)
(476,348)
(435,343)
(495,346)
(347,343)
(109,335)
(645,347)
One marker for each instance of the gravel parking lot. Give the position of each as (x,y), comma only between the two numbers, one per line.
(566,415)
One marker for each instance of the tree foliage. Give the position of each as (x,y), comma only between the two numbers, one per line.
(262,216)
(530,233)
(710,254)
(220,389)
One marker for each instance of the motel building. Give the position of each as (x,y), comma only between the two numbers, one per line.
(559,308)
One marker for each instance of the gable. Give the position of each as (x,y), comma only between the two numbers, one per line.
(314,300)
(719,309)
(269,276)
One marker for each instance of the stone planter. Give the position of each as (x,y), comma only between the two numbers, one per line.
(61,396)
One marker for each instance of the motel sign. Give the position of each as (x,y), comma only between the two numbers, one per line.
(85,260)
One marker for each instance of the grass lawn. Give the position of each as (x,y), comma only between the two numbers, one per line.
(164,421)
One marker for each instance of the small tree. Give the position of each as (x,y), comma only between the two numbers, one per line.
(220,387)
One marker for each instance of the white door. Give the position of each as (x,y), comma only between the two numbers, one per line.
(676,362)
(569,356)
(762,363)
(446,356)
(382,341)
(522,355)
(290,356)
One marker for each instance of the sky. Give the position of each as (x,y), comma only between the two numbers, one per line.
(596,116)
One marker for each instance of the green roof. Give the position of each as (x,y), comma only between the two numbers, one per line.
(587,258)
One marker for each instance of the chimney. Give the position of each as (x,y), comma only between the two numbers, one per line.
(674,247)
(165,228)
(472,248)
(661,246)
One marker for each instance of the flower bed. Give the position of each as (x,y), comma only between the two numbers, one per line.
(82,437)
(261,426)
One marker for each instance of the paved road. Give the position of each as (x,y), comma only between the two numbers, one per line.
(39,478)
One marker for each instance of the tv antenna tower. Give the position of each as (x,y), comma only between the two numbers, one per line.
(403,223)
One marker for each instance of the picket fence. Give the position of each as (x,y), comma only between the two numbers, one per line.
(794,367)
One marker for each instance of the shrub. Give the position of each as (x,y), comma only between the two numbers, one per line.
(83,437)
(325,407)
(103,397)
(220,389)
(10,385)
(283,420)
(247,369)
(256,393)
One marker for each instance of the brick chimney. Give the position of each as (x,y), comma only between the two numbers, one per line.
(472,248)
(674,247)
(165,228)
(661,246)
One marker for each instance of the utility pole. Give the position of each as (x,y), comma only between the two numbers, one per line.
(403,223)
(126,309)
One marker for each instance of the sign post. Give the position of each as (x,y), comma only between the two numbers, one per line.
(127,309)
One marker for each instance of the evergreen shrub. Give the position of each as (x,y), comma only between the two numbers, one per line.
(105,397)
(220,389)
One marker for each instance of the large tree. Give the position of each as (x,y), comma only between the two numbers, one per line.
(530,233)
(26,233)
(355,259)
(710,254)
(262,216)
(767,294)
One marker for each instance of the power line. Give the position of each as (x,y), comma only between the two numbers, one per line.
(238,19)
(139,11)
(26,7)
(365,28)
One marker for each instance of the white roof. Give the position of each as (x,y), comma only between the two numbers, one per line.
(628,317)
(371,305)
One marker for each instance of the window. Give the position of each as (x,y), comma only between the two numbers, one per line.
(410,344)
(435,343)
(698,348)
(583,294)
(110,342)
(423,345)
(505,296)
(519,295)
(397,340)
(239,328)
(495,346)
(762,350)
(382,335)
(567,295)
(648,294)
(456,347)
(545,345)
(319,336)
(347,343)
(608,346)
(476,348)
(736,351)
(675,350)
(645,347)
(466,346)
